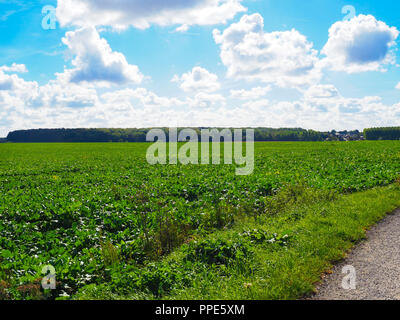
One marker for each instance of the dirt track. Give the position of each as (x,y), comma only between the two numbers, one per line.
(377,265)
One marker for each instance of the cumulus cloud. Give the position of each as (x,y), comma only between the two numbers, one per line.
(6,82)
(58,105)
(284,58)
(24,97)
(360,44)
(142,95)
(63,94)
(327,99)
(64,104)
(13,82)
(198,79)
(323,108)
(95,62)
(398,86)
(321,91)
(254,93)
(206,100)
(10,82)
(19,68)
(121,14)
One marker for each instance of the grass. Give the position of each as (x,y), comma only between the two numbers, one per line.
(309,236)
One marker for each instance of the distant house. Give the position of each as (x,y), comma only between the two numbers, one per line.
(344,136)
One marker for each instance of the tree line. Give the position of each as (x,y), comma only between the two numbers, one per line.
(388,133)
(139,135)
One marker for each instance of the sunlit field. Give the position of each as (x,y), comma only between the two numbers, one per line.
(114,226)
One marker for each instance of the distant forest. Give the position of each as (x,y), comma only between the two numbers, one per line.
(139,135)
(388,133)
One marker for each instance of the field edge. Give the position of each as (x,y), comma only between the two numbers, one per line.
(307,239)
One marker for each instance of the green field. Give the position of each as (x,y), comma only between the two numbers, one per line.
(114,226)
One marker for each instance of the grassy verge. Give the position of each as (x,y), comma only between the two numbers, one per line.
(278,255)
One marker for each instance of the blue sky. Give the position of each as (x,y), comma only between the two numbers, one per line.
(199,63)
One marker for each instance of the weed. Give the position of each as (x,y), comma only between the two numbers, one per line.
(110,254)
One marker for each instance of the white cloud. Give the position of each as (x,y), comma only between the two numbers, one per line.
(284,58)
(142,95)
(62,94)
(398,86)
(13,83)
(321,91)
(360,44)
(143,99)
(95,62)
(254,93)
(327,99)
(206,100)
(6,82)
(69,105)
(121,14)
(199,79)
(323,109)
(182,28)
(19,68)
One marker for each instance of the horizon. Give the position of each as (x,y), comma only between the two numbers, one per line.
(226,63)
(201,127)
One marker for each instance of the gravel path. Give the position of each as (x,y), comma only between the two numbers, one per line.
(376,262)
